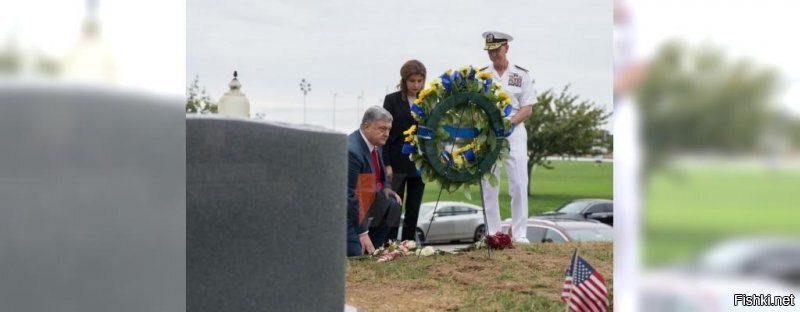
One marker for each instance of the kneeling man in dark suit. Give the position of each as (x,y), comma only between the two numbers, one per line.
(373,209)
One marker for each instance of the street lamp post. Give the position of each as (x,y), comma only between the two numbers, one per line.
(305,86)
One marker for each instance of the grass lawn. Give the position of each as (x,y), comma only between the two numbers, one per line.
(528,278)
(551,188)
(687,210)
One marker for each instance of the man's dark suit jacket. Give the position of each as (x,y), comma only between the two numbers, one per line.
(359,191)
(397,105)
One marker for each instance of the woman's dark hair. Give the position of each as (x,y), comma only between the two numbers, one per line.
(412,67)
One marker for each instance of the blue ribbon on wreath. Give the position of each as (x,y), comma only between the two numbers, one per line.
(418,110)
(447,158)
(424,133)
(408,148)
(486,84)
(471,73)
(500,133)
(461,133)
(469,155)
(507,110)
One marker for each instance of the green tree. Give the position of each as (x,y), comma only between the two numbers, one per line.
(561,124)
(198,100)
(697,100)
(795,133)
(605,142)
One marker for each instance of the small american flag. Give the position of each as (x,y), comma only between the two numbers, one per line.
(585,290)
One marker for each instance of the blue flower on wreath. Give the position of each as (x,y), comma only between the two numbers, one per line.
(507,110)
(486,84)
(471,73)
(457,78)
(446,82)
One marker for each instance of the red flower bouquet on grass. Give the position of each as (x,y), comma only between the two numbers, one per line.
(499,240)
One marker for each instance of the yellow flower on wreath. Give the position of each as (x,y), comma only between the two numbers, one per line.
(436,84)
(503,96)
(410,130)
(424,93)
(464,70)
(484,75)
(409,133)
(473,145)
(459,161)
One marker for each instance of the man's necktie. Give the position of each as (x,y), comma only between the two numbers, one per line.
(376,168)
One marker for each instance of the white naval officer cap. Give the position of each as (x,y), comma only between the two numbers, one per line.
(496,39)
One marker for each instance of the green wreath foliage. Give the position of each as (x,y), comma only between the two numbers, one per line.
(462,129)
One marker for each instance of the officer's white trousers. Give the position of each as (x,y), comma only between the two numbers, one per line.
(517,172)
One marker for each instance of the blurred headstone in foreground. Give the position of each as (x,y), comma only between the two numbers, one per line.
(92,196)
(266,210)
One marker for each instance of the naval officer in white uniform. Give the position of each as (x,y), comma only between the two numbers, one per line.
(517,82)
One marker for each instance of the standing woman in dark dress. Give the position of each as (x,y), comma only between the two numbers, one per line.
(402,172)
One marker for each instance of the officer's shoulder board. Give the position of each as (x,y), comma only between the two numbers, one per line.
(520,68)
(484,68)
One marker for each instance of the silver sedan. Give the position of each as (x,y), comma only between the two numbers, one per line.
(453,221)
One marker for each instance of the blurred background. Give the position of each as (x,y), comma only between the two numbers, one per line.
(707,142)
(706,126)
(92,155)
(138,46)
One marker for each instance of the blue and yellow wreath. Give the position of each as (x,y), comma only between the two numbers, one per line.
(461,130)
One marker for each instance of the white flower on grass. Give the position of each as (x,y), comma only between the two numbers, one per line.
(427,251)
(408,245)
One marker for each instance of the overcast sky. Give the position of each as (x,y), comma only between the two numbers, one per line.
(345,47)
(146,37)
(764,32)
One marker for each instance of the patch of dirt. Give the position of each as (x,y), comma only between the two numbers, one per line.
(443,282)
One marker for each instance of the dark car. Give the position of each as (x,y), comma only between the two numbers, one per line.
(562,230)
(580,209)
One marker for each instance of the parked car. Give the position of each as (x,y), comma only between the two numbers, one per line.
(774,258)
(710,282)
(453,221)
(580,209)
(564,230)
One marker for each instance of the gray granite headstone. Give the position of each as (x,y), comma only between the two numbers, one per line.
(92,200)
(265,216)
